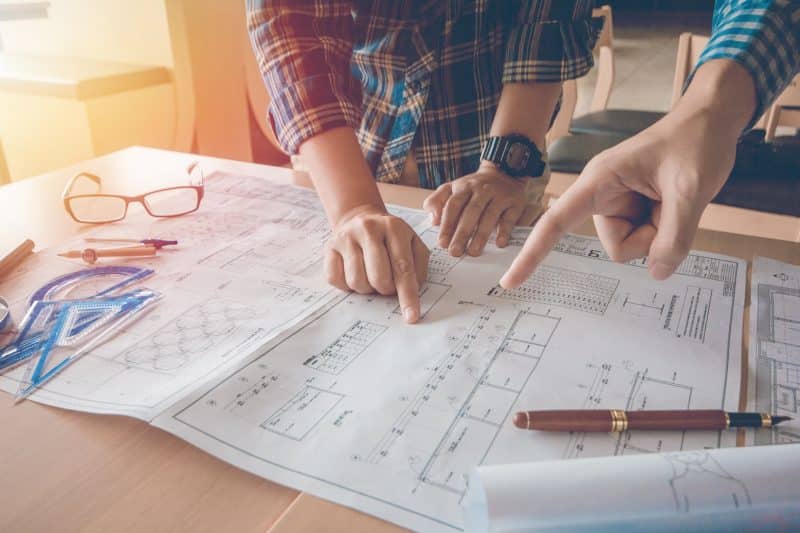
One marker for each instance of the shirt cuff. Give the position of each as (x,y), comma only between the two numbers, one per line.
(549,51)
(762,42)
(309,107)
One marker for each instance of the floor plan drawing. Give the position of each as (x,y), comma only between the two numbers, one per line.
(775,347)
(405,412)
(252,357)
(233,281)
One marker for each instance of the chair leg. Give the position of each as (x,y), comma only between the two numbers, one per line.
(772,122)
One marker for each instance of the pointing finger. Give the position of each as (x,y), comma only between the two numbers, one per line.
(405,278)
(565,214)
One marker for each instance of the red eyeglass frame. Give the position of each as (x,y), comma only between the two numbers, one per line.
(66,197)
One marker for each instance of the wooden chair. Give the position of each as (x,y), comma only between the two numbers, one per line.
(600,120)
(605,79)
(690,46)
(785,111)
(570,153)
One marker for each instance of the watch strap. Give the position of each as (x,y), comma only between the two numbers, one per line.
(496,151)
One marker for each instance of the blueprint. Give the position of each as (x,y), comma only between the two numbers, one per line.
(355,406)
(253,358)
(774,376)
(746,489)
(247,266)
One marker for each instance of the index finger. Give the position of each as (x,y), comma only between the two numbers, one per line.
(405,278)
(564,215)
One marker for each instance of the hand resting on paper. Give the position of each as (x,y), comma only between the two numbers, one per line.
(470,208)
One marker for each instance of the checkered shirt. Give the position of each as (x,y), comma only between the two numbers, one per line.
(411,75)
(761,35)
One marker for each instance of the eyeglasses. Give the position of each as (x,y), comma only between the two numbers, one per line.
(102,208)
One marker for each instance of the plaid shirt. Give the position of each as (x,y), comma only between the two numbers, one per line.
(761,35)
(422,76)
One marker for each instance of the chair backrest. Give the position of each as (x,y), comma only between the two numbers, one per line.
(569,100)
(690,47)
(606,37)
(790,97)
(785,111)
(604,49)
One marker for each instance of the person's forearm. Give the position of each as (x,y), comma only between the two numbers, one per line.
(526,108)
(722,90)
(340,173)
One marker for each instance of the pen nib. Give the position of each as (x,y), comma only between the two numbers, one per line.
(778,419)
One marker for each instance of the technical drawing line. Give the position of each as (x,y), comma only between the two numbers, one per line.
(564,288)
(446,364)
(346,348)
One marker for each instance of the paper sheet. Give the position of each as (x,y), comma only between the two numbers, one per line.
(357,407)
(248,265)
(774,384)
(753,489)
(334,394)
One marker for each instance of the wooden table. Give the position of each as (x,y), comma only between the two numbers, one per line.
(70,471)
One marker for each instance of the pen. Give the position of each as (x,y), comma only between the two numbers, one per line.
(91,255)
(615,420)
(15,257)
(157,243)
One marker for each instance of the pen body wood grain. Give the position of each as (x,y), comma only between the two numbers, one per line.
(677,420)
(604,421)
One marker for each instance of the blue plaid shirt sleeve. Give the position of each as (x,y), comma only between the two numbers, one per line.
(552,41)
(761,35)
(303,48)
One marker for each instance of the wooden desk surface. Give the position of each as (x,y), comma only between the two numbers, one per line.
(70,471)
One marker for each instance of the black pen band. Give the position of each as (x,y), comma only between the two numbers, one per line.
(750,420)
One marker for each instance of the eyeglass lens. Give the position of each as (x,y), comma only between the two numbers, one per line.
(172,202)
(98,208)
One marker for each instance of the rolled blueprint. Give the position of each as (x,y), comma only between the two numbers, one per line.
(735,488)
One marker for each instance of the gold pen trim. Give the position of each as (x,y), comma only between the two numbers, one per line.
(766,420)
(527,419)
(727,421)
(619,421)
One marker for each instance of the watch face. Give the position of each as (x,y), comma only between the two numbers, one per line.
(517,156)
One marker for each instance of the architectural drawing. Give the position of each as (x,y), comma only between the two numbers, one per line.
(775,347)
(252,357)
(564,288)
(190,335)
(405,412)
(234,281)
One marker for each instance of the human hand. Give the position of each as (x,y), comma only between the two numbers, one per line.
(373,251)
(470,208)
(647,195)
